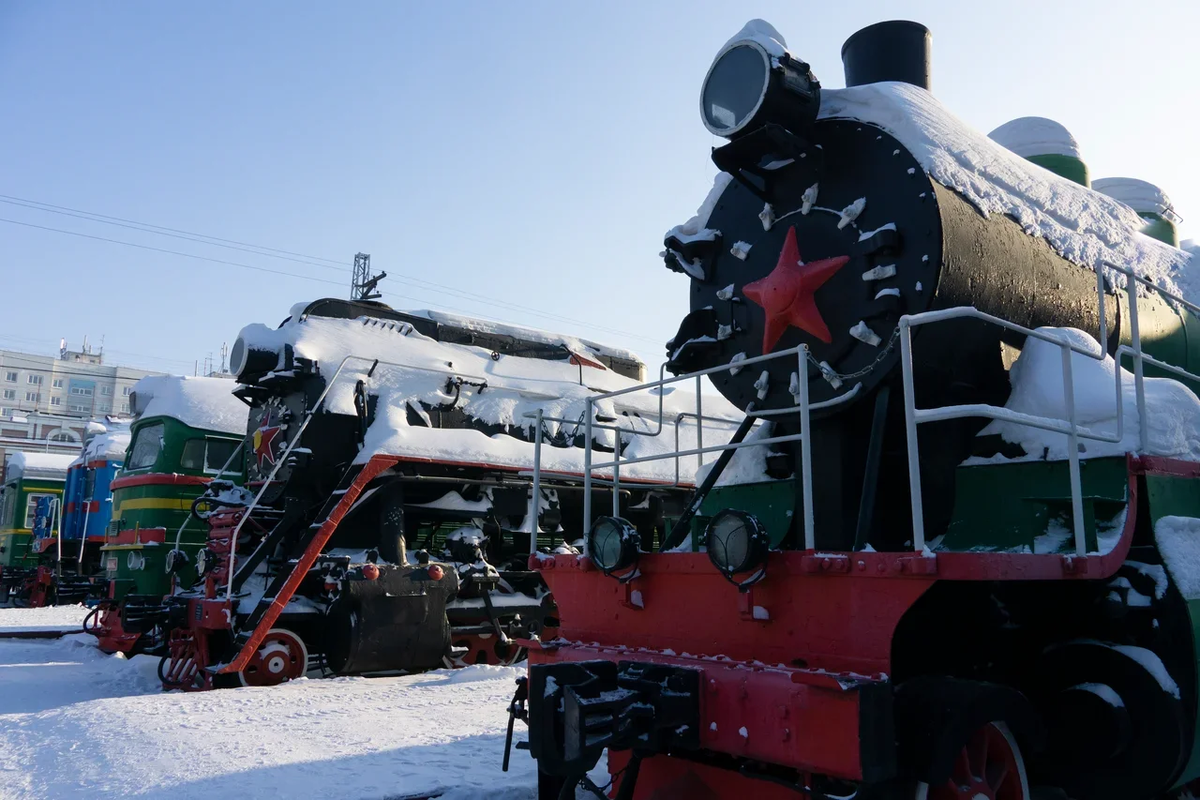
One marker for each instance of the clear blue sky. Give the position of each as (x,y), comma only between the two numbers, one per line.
(528,154)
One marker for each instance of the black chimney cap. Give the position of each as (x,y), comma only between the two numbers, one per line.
(897,50)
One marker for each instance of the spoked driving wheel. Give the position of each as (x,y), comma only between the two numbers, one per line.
(486,648)
(282,656)
(989,767)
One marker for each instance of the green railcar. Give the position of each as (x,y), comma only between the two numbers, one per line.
(188,432)
(167,467)
(28,478)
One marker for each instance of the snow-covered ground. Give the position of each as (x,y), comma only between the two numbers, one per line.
(77,723)
(53,618)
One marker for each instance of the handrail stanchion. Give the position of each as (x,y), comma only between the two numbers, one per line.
(910,429)
(1135,340)
(810,534)
(699,424)
(616,465)
(537,481)
(1073,454)
(587,472)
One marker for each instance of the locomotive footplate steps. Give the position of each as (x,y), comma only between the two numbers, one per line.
(280,592)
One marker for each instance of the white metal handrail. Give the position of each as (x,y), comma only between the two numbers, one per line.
(802,407)
(1069,426)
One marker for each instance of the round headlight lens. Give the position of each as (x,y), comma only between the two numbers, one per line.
(202,561)
(613,544)
(736,543)
(734,88)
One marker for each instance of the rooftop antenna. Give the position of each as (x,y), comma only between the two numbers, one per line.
(362,285)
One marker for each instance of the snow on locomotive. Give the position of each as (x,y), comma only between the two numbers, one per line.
(958,556)
(389,507)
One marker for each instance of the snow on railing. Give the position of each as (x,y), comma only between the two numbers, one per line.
(1069,426)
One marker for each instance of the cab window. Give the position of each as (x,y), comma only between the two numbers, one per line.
(219,451)
(31,508)
(193,454)
(208,455)
(146,447)
(9,496)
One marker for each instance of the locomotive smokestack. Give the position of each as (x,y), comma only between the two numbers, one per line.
(889,51)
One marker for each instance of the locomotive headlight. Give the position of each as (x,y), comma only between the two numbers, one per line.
(747,87)
(613,544)
(737,544)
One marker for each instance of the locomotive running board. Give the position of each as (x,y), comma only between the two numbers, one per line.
(278,595)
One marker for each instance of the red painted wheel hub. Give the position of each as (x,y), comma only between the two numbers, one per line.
(282,656)
(486,648)
(989,767)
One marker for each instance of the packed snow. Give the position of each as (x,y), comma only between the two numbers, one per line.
(501,390)
(1036,136)
(1172,410)
(761,33)
(42,465)
(748,464)
(50,618)
(696,228)
(105,445)
(1142,196)
(77,723)
(1084,226)
(1178,540)
(205,403)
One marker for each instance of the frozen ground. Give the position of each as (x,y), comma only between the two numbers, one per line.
(77,723)
(61,618)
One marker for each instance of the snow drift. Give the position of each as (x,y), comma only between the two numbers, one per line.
(1172,410)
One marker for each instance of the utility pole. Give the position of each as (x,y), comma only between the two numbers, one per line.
(362,284)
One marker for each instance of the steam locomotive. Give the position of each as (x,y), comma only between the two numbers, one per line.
(388,510)
(903,600)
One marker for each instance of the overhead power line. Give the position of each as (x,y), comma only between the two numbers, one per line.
(287,255)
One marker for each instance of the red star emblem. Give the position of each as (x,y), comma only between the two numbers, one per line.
(787,294)
(264,438)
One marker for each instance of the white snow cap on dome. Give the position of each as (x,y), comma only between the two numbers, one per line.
(1142,196)
(1036,136)
(763,34)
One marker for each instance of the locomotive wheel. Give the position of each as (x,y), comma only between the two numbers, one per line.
(989,767)
(282,656)
(180,667)
(485,648)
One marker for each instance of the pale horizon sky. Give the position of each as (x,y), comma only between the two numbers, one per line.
(517,162)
